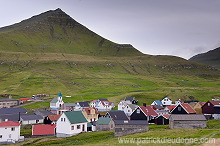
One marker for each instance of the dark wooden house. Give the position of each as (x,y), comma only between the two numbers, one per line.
(183,108)
(162,119)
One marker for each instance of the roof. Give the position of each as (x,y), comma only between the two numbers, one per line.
(7,99)
(118,115)
(166,116)
(215,102)
(148,110)
(69,104)
(133,106)
(24,99)
(131,122)
(170,107)
(53,117)
(75,117)
(159,107)
(158,102)
(9,124)
(31,117)
(12,117)
(55,99)
(103,121)
(104,99)
(4,111)
(48,129)
(188,108)
(201,103)
(45,113)
(83,104)
(188,117)
(88,109)
(129,98)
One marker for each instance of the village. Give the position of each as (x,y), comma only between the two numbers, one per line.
(68,119)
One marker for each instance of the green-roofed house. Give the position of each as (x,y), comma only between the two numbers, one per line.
(129,109)
(105,124)
(71,123)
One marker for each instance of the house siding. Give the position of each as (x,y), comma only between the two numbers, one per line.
(121,130)
(179,110)
(207,109)
(6,131)
(140,116)
(187,124)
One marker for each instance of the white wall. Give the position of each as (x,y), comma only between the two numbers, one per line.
(31,122)
(6,131)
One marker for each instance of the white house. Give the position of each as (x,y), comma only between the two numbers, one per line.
(102,105)
(10,132)
(31,119)
(157,102)
(123,103)
(71,123)
(129,109)
(56,103)
(166,101)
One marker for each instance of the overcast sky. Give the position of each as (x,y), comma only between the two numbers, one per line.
(158,27)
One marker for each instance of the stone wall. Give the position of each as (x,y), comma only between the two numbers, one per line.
(121,130)
(187,124)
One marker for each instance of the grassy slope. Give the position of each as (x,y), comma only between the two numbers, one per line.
(106,138)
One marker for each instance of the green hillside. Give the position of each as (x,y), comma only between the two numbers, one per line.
(51,53)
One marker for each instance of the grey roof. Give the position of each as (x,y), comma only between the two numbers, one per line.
(187,117)
(31,117)
(117,115)
(7,99)
(133,106)
(43,113)
(70,104)
(104,99)
(83,104)
(131,122)
(4,111)
(130,98)
(14,117)
(55,99)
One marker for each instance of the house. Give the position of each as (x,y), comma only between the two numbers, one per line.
(122,104)
(93,103)
(91,126)
(80,105)
(183,108)
(22,100)
(157,102)
(67,107)
(103,105)
(144,113)
(131,99)
(43,113)
(7,103)
(216,114)
(178,102)
(90,113)
(128,110)
(166,101)
(71,123)
(10,132)
(116,115)
(126,127)
(169,108)
(8,111)
(105,124)
(162,119)
(187,121)
(56,103)
(208,107)
(44,130)
(198,107)
(51,119)
(31,119)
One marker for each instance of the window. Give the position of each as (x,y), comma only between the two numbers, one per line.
(208,104)
(61,119)
(78,126)
(0,136)
(138,111)
(9,136)
(13,129)
(72,127)
(129,111)
(37,121)
(179,108)
(64,119)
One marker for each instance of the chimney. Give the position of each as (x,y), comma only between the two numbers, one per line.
(144,104)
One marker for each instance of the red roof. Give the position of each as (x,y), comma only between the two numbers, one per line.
(9,124)
(88,110)
(166,116)
(43,129)
(215,102)
(148,110)
(53,117)
(171,107)
(188,108)
(24,99)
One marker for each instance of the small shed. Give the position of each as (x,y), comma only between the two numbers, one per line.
(162,119)
(187,121)
(126,127)
(105,124)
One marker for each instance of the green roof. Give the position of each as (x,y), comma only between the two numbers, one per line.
(104,121)
(55,99)
(75,117)
(70,104)
(133,106)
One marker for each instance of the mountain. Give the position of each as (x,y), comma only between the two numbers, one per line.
(211,58)
(56,32)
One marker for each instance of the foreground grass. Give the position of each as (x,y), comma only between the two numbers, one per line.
(155,131)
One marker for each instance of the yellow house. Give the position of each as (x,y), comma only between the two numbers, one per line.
(90,113)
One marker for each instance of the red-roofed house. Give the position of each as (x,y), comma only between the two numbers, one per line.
(183,108)
(44,130)
(10,132)
(169,108)
(24,99)
(208,107)
(51,119)
(144,113)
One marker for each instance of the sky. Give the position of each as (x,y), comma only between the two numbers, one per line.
(181,28)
